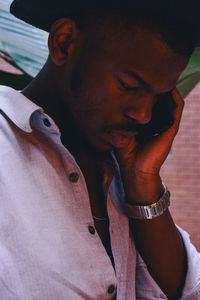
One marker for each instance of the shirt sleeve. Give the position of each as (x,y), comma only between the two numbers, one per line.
(191,289)
(147,288)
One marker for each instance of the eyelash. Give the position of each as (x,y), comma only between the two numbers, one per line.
(127,87)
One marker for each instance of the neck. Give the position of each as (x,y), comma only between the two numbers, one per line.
(44,92)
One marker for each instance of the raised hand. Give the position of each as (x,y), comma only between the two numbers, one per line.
(140,165)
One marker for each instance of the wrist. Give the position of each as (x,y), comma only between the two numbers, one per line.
(145,189)
(151,211)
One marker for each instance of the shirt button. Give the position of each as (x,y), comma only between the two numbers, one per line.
(91,229)
(74,177)
(46,122)
(111,289)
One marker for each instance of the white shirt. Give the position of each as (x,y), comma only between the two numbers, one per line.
(47,249)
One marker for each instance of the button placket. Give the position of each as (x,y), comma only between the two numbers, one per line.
(76,180)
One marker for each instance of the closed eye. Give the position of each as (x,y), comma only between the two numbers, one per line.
(128,87)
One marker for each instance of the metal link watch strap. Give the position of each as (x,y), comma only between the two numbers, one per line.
(148,211)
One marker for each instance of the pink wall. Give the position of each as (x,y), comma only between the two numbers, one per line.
(181,171)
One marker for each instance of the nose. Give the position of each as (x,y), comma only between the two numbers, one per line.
(141,110)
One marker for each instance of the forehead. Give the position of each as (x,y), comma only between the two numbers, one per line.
(147,54)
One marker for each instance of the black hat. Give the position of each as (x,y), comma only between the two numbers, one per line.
(42,13)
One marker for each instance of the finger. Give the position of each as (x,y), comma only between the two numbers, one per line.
(177,114)
(179,108)
(166,138)
(127,151)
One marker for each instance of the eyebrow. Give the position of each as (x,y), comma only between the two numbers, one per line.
(143,82)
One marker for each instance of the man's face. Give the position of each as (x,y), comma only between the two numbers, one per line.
(114,86)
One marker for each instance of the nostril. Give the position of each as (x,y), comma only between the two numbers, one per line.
(141,116)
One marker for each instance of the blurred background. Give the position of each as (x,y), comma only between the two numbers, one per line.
(23,52)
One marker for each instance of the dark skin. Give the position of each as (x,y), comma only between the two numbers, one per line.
(95,94)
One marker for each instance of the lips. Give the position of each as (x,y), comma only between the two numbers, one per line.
(125,133)
(120,138)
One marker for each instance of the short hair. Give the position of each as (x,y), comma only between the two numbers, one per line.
(180,36)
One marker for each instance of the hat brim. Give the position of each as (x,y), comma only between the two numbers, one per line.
(43,13)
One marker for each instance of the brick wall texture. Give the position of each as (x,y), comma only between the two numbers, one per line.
(181,171)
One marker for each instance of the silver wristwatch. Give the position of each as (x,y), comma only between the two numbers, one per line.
(148,211)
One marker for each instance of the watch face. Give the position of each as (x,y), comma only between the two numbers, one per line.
(148,211)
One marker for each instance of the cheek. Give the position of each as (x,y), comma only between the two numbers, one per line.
(112,98)
(102,96)
(112,85)
(99,102)
(88,112)
(98,115)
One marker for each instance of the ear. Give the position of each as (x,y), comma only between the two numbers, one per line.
(62,40)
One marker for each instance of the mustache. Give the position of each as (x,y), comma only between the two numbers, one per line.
(131,126)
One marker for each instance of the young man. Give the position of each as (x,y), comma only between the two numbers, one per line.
(76,184)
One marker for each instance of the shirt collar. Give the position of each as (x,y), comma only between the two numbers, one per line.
(17,107)
(19,110)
